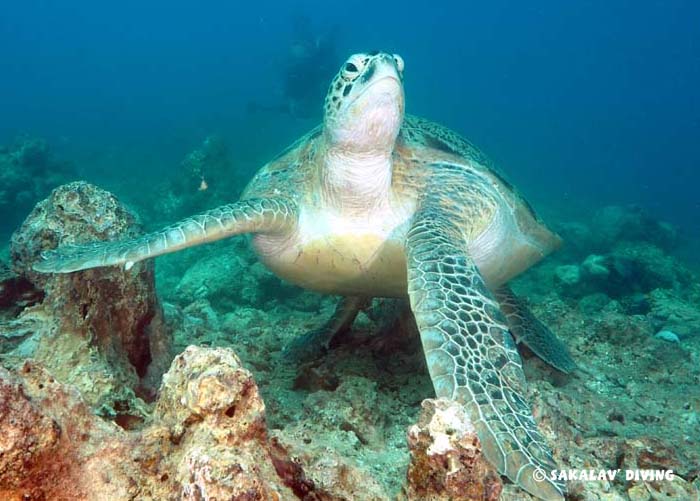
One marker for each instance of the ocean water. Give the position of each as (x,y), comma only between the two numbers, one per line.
(581,103)
(590,108)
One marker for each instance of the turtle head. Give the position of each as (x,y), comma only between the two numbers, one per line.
(365,103)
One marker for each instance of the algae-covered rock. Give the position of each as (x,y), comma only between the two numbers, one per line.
(354,401)
(670,311)
(28,436)
(568,274)
(628,269)
(206,439)
(210,407)
(596,266)
(446,458)
(116,312)
(593,303)
(644,267)
(54,447)
(16,292)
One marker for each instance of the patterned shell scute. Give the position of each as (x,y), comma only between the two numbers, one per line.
(417,132)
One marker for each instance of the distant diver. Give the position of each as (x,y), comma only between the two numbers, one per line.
(311,64)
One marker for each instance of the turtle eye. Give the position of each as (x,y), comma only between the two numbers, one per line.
(351,70)
(398,60)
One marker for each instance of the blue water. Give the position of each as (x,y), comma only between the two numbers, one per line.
(583,104)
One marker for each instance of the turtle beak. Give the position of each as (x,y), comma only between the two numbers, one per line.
(381,68)
(382,84)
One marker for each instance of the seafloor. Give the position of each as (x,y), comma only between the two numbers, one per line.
(86,414)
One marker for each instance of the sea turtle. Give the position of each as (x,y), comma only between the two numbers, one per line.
(374,203)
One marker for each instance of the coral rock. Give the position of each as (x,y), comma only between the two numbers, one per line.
(206,178)
(446,459)
(568,274)
(53,446)
(116,310)
(212,410)
(671,312)
(207,439)
(16,292)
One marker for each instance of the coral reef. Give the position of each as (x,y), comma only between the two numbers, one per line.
(627,269)
(53,446)
(210,413)
(80,419)
(676,311)
(613,224)
(632,224)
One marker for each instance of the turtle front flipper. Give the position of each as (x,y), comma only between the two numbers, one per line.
(527,329)
(257,215)
(470,354)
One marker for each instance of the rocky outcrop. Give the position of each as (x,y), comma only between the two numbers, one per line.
(16,292)
(54,447)
(206,439)
(213,419)
(446,459)
(114,313)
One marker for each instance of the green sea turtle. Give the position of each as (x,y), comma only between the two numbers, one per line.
(375,203)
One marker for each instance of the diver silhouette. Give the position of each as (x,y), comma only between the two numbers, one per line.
(311,63)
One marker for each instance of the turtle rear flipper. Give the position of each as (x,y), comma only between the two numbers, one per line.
(247,216)
(316,342)
(470,353)
(527,329)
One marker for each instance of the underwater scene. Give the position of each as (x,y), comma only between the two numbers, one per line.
(350,250)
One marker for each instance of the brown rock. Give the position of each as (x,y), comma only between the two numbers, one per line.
(16,292)
(207,439)
(212,410)
(116,310)
(335,476)
(446,460)
(53,446)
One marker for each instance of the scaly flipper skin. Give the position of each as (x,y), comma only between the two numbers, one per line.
(527,329)
(248,216)
(314,343)
(471,355)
